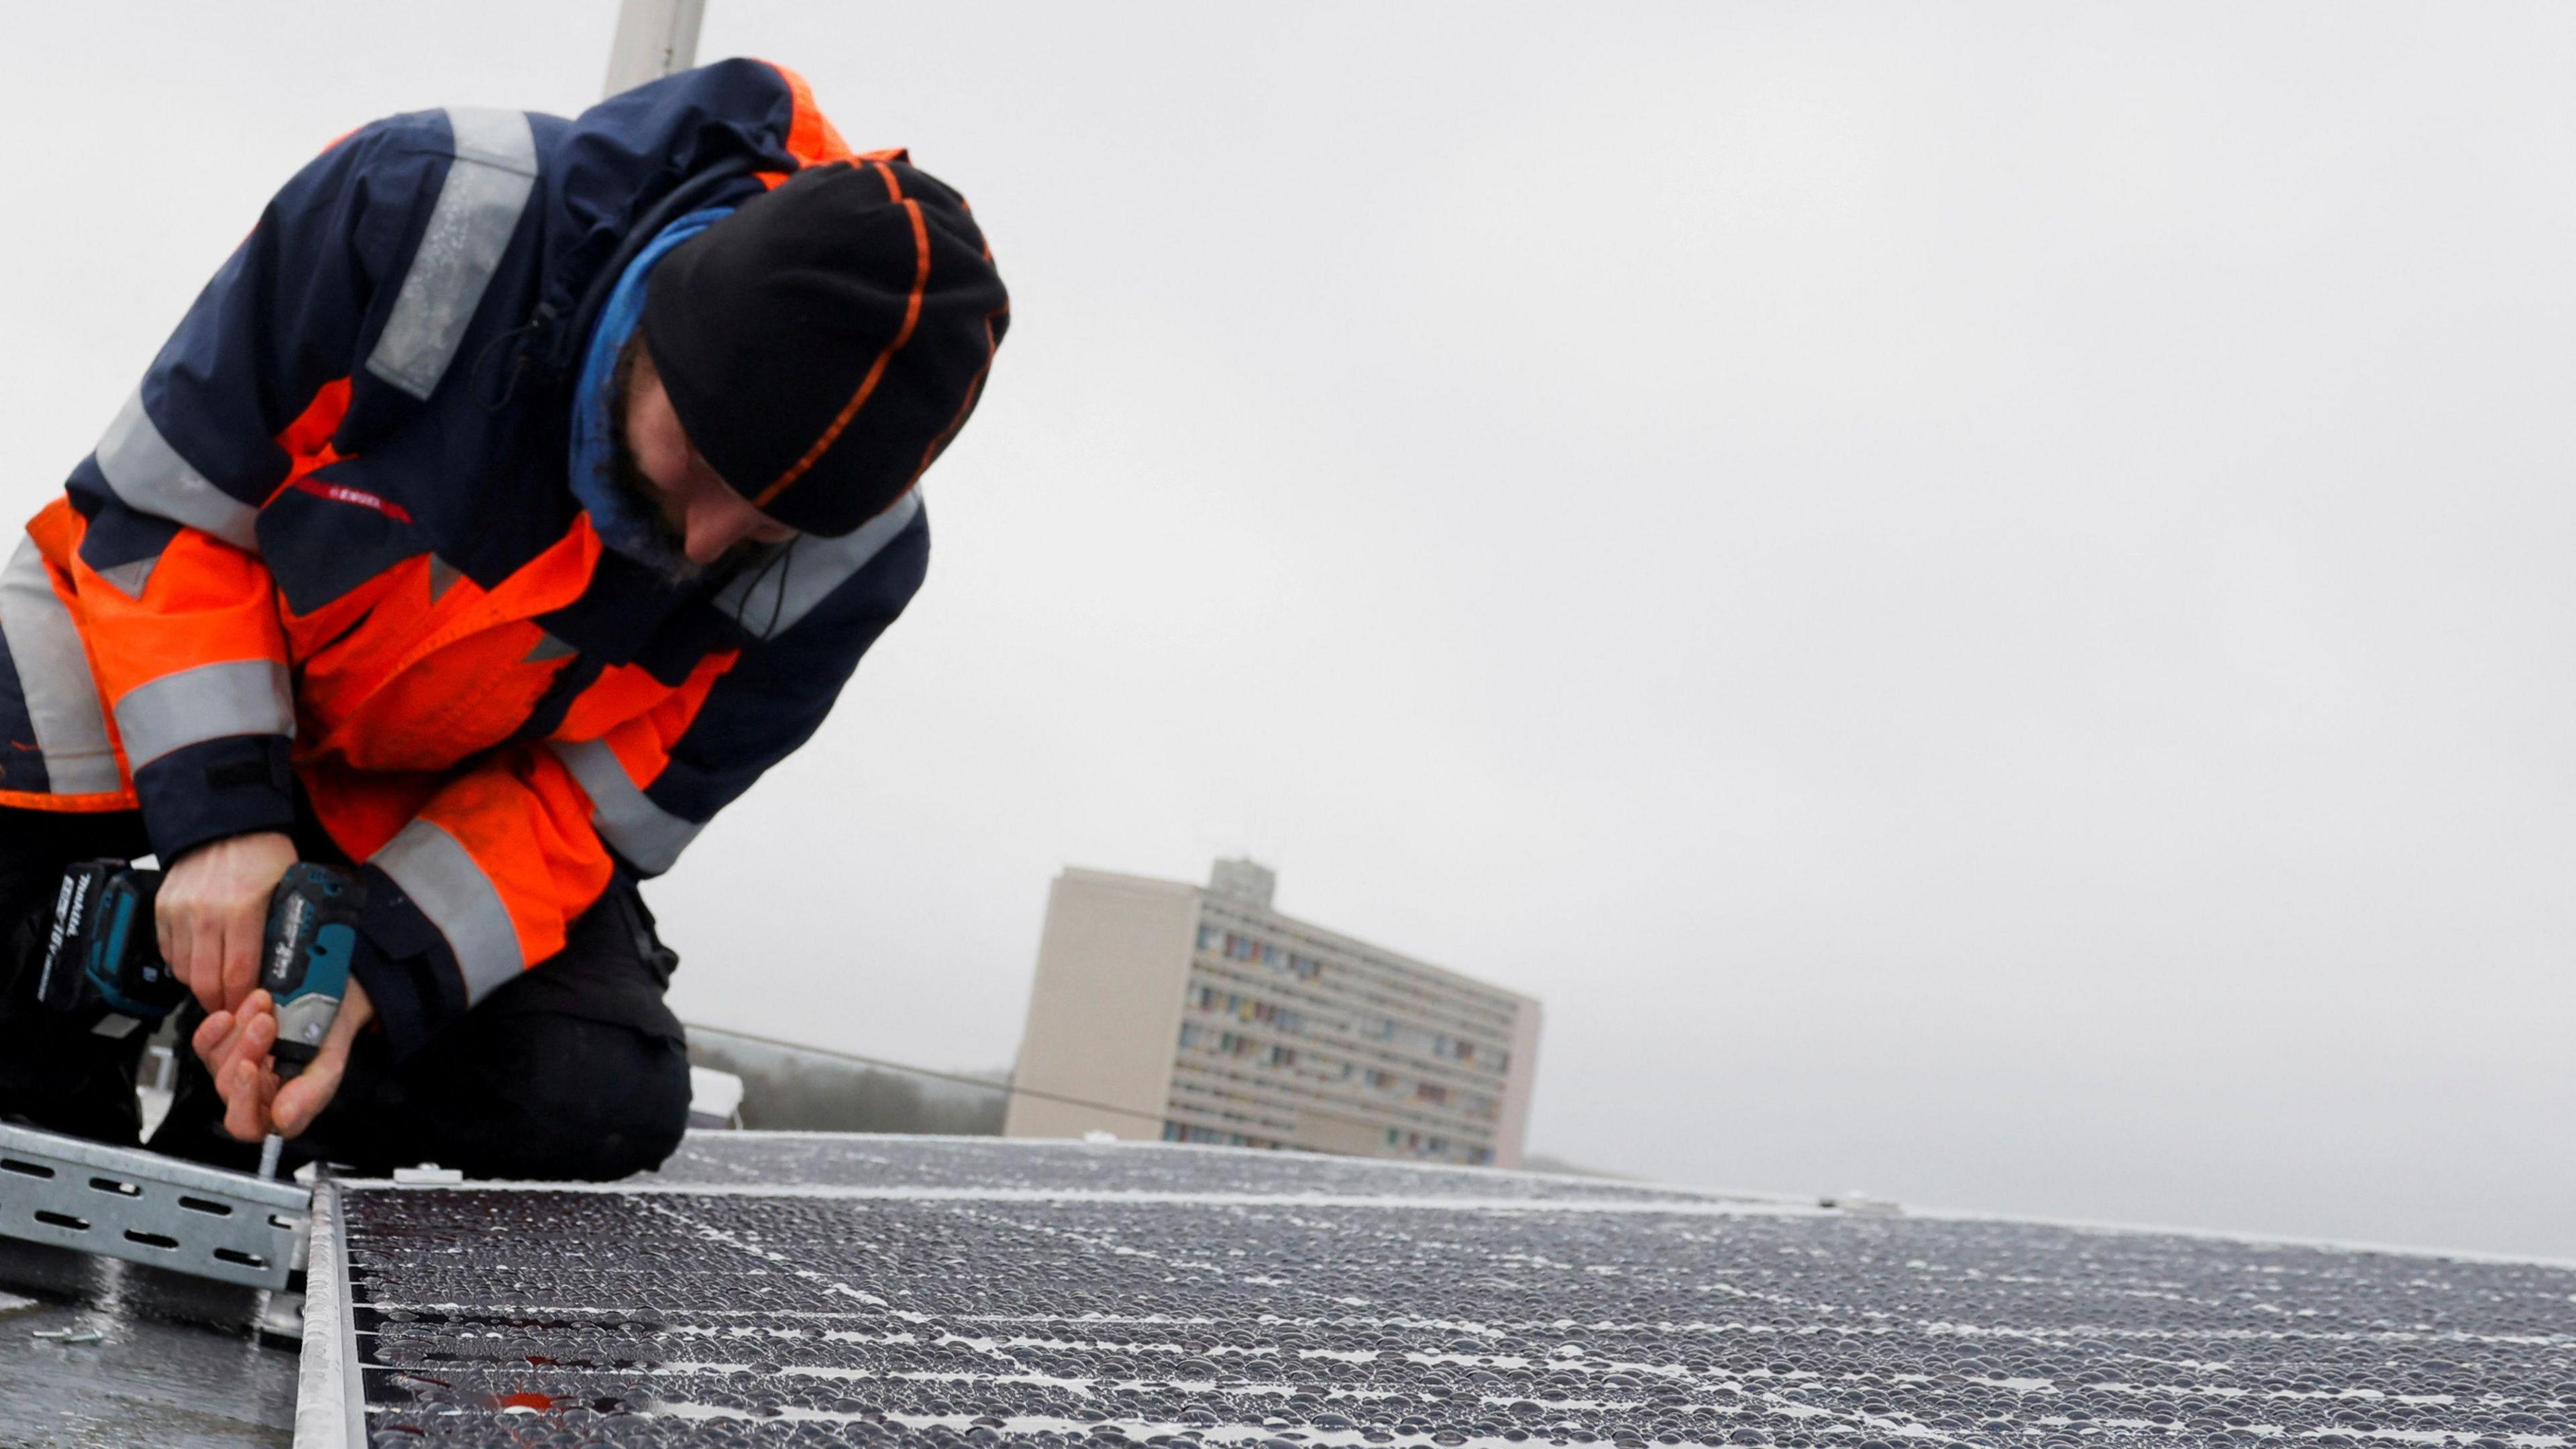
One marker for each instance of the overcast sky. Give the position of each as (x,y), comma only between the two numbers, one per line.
(1978,598)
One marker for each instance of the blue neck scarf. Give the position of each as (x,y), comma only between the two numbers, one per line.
(623,523)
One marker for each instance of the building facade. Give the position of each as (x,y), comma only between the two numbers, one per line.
(1200,1014)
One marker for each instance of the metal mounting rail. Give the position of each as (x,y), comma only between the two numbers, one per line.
(128,1203)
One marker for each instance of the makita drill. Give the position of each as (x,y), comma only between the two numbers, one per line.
(103,959)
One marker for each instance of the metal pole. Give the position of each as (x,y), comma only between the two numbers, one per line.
(654,38)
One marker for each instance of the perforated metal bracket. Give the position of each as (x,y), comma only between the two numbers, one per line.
(128,1203)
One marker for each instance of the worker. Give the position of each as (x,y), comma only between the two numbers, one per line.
(516,494)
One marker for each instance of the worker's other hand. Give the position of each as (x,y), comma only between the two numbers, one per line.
(239,1048)
(213,911)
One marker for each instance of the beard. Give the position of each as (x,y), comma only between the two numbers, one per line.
(643,498)
(626,475)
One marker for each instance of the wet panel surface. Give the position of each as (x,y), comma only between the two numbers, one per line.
(906,1309)
(962,1163)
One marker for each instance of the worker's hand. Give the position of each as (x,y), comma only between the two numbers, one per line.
(238,1047)
(213,910)
(235,1046)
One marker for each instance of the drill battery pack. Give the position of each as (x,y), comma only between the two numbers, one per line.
(102,957)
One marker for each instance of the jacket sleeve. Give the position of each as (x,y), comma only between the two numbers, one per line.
(485,879)
(180,613)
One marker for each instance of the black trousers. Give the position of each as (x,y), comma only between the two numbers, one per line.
(577,1070)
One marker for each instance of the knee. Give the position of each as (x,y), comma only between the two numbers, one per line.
(615,1103)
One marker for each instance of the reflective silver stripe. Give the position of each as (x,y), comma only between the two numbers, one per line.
(54,679)
(150,477)
(205,702)
(769,597)
(469,229)
(650,837)
(459,899)
(133,577)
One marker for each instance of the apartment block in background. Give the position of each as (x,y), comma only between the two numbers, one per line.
(1199,1014)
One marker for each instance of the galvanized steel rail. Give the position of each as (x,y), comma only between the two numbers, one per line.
(127,1203)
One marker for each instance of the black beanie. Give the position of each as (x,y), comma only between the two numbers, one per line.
(822,344)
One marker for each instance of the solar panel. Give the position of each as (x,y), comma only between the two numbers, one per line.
(777,1290)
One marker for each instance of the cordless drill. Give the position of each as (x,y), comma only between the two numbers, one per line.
(103,958)
(306,953)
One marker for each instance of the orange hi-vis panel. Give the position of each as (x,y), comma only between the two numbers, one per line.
(196,653)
